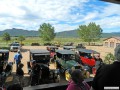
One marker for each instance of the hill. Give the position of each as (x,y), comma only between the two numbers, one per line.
(71,33)
(64,34)
(18,32)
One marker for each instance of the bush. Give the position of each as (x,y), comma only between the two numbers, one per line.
(22,44)
(8,48)
(109,58)
(47,44)
(35,44)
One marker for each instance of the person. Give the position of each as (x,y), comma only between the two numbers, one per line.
(98,61)
(17,58)
(108,75)
(77,81)
(35,73)
(97,58)
(15,87)
(20,74)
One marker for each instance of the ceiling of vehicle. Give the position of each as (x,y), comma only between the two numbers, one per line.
(112,1)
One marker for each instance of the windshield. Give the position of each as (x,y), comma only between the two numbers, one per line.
(4,56)
(87,55)
(15,44)
(40,57)
(69,57)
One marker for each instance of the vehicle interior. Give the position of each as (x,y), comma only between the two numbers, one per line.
(87,55)
(41,58)
(66,56)
(3,57)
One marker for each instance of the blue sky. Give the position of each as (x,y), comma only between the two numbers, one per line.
(64,15)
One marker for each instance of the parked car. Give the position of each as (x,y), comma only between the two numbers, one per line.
(65,61)
(69,48)
(47,44)
(87,58)
(15,46)
(69,44)
(52,50)
(80,46)
(57,44)
(42,58)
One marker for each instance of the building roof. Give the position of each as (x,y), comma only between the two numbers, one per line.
(118,38)
(112,1)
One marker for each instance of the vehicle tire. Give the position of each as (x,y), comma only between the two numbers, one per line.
(67,75)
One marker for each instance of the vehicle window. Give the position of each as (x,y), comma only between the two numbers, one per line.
(15,44)
(1,56)
(69,57)
(59,55)
(87,55)
(82,54)
(6,56)
(41,57)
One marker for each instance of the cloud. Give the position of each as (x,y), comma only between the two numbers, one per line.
(64,27)
(37,11)
(111,9)
(62,14)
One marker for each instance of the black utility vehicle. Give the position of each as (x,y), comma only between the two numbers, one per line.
(42,58)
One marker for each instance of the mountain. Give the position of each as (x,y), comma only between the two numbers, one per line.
(71,33)
(106,35)
(18,32)
(64,34)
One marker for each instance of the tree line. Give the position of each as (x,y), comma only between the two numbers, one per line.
(88,33)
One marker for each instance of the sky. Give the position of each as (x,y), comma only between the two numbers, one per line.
(63,15)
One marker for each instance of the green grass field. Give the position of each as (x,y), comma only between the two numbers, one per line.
(29,40)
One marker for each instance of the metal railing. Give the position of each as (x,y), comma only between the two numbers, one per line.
(53,86)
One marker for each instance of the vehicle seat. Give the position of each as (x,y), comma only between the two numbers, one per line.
(45,72)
